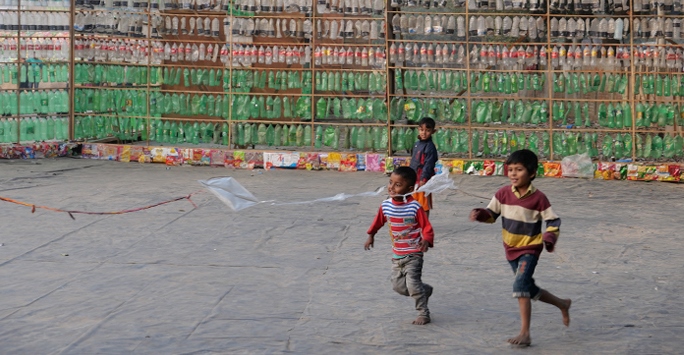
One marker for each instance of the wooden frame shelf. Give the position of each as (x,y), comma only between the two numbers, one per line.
(545,43)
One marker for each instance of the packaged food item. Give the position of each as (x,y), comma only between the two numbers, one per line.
(361,162)
(489,168)
(604,171)
(620,172)
(473,167)
(206,157)
(254,159)
(457,166)
(499,168)
(348,162)
(135,153)
(334,161)
(217,157)
(632,172)
(552,169)
(125,154)
(158,155)
(647,173)
(312,161)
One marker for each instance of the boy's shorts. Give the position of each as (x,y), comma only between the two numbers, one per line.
(425,201)
(523,268)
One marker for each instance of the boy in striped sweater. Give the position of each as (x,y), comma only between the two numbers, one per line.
(411,234)
(522,208)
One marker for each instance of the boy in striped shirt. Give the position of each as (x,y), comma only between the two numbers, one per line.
(522,208)
(411,234)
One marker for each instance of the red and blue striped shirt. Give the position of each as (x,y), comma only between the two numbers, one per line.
(408,225)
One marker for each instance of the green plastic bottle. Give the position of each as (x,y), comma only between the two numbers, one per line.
(546,145)
(555,111)
(619,119)
(557,141)
(603,115)
(486,150)
(293,137)
(607,147)
(679,146)
(476,143)
(611,115)
(657,150)
(270,135)
(619,146)
(533,143)
(401,140)
(626,115)
(581,143)
(318,139)
(278,135)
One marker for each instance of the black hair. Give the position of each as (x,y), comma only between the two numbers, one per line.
(428,122)
(407,174)
(526,158)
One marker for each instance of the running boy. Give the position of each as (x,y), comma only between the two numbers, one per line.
(411,234)
(522,208)
(423,159)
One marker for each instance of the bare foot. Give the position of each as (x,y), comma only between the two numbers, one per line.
(521,340)
(566,312)
(421,320)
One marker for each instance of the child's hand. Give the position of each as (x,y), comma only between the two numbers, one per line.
(424,245)
(369,242)
(549,246)
(473,215)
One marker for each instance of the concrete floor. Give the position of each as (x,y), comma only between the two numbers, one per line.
(295,279)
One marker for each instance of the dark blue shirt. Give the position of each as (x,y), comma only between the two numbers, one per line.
(423,159)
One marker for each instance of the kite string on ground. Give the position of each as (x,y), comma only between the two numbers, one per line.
(72,212)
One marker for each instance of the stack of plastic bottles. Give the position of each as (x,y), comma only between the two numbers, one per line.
(117,75)
(441,110)
(34,129)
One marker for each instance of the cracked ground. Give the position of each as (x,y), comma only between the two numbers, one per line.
(176,279)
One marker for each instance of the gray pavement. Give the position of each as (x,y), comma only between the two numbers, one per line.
(295,279)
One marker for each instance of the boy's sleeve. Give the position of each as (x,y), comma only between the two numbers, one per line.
(429,165)
(378,222)
(553,223)
(489,214)
(425,226)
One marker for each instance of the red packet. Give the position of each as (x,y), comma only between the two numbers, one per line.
(489,168)
(136,152)
(552,169)
(348,162)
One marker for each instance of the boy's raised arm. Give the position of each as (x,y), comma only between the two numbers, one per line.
(489,214)
(483,215)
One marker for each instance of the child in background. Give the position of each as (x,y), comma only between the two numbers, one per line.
(411,234)
(423,159)
(522,208)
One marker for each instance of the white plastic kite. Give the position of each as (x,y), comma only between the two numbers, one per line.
(235,196)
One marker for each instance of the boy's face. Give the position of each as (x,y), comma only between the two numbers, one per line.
(398,186)
(519,176)
(424,133)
